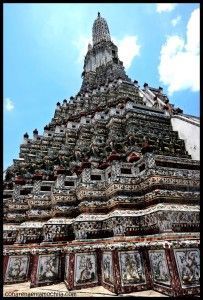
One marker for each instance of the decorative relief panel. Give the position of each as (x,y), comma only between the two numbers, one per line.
(107,266)
(48,268)
(188,264)
(159,267)
(85,268)
(131,268)
(17,269)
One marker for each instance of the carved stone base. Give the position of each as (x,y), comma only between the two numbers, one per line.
(119,267)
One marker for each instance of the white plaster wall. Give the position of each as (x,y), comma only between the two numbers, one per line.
(146,98)
(100,58)
(190,133)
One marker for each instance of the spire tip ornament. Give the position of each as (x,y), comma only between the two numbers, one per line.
(100,30)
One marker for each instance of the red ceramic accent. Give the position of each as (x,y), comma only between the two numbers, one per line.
(103,165)
(19,180)
(113,156)
(133,157)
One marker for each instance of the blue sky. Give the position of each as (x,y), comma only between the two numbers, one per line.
(44,47)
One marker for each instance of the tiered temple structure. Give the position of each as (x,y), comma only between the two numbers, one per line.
(109,193)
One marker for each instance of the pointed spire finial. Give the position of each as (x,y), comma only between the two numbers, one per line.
(100,30)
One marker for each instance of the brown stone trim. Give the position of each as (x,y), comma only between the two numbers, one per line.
(5,265)
(156,237)
(116,272)
(175,281)
(62,267)
(163,289)
(33,276)
(70,275)
(147,267)
(99,266)
(31,261)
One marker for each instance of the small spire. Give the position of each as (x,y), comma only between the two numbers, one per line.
(100,30)
(26,136)
(35,132)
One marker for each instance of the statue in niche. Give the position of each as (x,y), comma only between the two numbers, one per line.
(189,266)
(131,140)
(159,266)
(131,267)
(87,267)
(20,238)
(17,269)
(156,103)
(48,233)
(119,147)
(95,150)
(119,229)
(66,161)
(78,155)
(111,143)
(48,268)
(131,144)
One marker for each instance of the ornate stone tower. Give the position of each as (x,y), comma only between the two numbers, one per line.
(101,64)
(109,193)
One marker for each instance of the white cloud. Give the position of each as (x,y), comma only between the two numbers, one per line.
(128,49)
(175,21)
(9,104)
(179,66)
(164,7)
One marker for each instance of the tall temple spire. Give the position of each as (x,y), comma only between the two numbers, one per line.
(101,63)
(100,30)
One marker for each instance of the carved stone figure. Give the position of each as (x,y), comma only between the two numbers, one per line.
(85,268)
(131,268)
(17,268)
(188,262)
(48,268)
(159,266)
